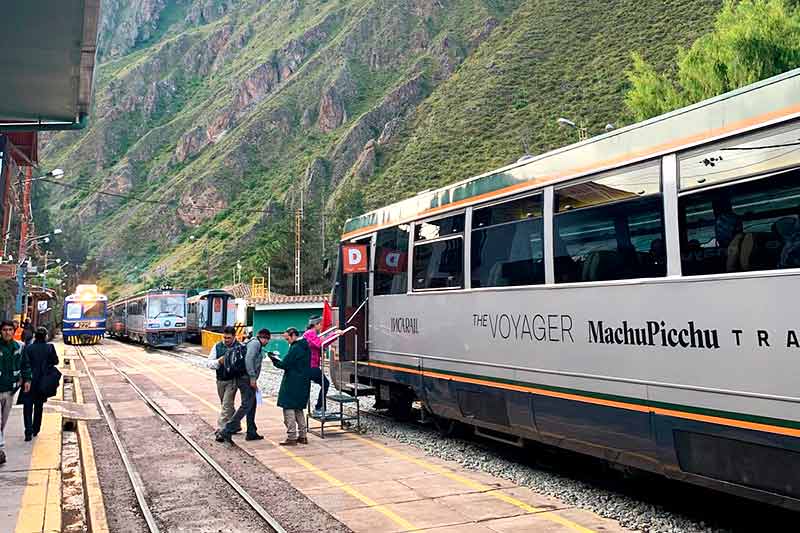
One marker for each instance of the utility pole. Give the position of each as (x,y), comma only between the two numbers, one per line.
(298,241)
(208,266)
(25,219)
(44,271)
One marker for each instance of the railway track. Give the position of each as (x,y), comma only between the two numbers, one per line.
(134,473)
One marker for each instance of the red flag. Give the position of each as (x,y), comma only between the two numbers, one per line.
(327,316)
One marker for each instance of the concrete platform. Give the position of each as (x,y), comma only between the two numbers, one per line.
(369,484)
(30,482)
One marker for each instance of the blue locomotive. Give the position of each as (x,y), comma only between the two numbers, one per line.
(84,317)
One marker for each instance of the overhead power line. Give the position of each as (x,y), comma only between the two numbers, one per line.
(169,203)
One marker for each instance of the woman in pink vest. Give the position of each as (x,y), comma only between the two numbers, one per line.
(315,344)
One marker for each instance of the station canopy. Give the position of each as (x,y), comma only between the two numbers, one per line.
(47,57)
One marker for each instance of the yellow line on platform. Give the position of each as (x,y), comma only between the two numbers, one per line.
(490,491)
(40,509)
(305,463)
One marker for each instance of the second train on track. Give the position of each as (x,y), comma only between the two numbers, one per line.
(156,317)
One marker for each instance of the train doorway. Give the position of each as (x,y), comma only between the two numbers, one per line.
(356,269)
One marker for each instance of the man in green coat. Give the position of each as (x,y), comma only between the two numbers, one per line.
(295,386)
(15,372)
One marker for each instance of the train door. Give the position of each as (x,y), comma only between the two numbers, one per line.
(355,283)
(217,312)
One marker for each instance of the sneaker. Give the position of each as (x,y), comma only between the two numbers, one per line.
(319,413)
(224,437)
(288,442)
(2,457)
(253,436)
(28,437)
(303,440)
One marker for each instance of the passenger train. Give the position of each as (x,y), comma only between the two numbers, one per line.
(631,296)
(84,316)
(156,318)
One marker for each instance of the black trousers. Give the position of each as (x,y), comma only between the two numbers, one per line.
(246,409)
(32,408)
(318,377)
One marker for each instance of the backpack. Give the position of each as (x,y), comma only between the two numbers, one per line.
(49,381)
(234,362)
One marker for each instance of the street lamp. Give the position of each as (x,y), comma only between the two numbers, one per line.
(45,237)
(20,303)
(583,133)
(55,173)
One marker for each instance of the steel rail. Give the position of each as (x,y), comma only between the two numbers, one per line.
(274,524)
(133,474)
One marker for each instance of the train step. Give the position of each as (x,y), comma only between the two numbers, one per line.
(363,389)
(331,417)
(341,398)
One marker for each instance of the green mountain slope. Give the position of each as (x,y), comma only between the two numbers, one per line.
(212,118)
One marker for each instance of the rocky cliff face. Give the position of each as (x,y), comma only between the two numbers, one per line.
(213,117)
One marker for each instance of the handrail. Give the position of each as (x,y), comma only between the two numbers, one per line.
(356,311)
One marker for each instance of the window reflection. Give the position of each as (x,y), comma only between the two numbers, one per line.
(740,157)
(622,184)
(507,244)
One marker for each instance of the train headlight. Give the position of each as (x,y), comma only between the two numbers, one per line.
(180,324)
(153,325)
(92,324)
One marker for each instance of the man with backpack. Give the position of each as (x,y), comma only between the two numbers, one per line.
(245,364)
(42,358)
(226,384)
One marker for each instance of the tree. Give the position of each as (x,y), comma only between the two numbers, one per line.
(751,40)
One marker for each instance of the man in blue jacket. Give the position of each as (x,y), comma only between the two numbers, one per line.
(15,372)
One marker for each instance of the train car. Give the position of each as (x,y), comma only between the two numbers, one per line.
(631,296)
(156,318)
(84,316)
(210,310)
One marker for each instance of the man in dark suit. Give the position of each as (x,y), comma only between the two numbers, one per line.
(41,356)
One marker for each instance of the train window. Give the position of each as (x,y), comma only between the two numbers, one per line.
(73,310)
(622,184)
(391,260)
(611,227)
(167,305)
(749,155)
(507,244)
(740,227)
(94,310)
(439,264)
(435,229)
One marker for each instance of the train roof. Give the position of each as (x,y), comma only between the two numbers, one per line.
(149,292)
(769,101)
(210,292)
(84,298)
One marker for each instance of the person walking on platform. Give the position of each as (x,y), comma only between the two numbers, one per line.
(247,384)
(17,331)
(27,332)
(41,357)
(316,374)
(15,372)
(226,384)
(295,386)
